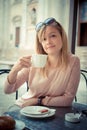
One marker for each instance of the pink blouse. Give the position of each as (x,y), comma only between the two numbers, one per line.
(59,88)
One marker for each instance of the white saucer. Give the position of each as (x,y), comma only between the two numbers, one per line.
(71,117)
(34,112)
(20,125)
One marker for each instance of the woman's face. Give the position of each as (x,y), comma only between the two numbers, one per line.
(52,42)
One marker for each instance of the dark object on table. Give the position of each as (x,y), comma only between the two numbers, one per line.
(84,112)
(7,123)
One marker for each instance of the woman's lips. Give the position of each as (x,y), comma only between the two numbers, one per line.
(50,47)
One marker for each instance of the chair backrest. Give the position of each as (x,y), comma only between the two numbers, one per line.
(3,71)
(83,72)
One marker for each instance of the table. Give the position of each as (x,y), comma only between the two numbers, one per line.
(56,122)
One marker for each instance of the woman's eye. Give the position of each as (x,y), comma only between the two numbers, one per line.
(44,39)
(53,35)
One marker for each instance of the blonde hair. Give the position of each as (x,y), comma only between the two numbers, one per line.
(64,50)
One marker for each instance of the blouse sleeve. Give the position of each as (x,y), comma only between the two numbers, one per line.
(21,78)
(70,92)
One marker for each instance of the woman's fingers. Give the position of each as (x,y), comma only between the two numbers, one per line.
(29,102)
(26,59)
(25,62)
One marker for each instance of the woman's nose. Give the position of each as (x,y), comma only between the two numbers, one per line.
(48,41)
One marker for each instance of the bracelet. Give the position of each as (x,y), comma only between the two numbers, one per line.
(40,100)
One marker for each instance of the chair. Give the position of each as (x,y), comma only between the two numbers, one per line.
(83,72)
(3,71)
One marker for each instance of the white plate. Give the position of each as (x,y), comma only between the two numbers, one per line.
(35,109)
(20,125)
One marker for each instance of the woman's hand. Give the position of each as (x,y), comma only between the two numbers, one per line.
(28,102)
(24,62)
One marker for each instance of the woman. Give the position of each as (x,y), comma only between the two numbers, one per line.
(54,85)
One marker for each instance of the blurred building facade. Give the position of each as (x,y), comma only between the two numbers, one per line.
(18,20)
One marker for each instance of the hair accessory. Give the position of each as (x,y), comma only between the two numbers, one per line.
(46,22)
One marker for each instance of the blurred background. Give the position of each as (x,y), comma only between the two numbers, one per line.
(17,29)
(19,17)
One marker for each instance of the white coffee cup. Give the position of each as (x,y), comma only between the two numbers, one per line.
(39,60)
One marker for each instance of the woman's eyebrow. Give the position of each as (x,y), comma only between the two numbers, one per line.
(52,33)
